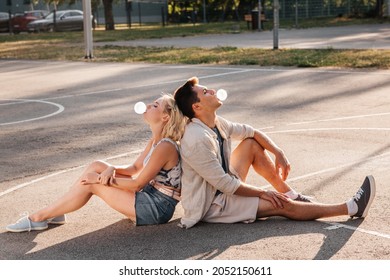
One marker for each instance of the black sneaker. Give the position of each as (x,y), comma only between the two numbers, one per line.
(303,198)
(364,197)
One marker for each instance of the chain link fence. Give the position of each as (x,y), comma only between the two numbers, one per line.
(304,9)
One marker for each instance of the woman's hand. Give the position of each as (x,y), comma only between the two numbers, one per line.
(276,198)
(91,178)
(105,177)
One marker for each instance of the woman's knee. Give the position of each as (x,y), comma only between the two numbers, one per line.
(97,166)
(88,188)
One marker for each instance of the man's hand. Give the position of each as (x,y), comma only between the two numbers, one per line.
(282,165)
(275,198)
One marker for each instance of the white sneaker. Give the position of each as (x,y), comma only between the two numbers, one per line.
(25,224)
(59,220)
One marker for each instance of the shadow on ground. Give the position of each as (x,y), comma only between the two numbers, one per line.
(124,241)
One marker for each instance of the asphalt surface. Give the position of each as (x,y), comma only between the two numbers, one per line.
(375,36)
(56,117)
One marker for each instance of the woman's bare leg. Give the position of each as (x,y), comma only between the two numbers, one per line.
(80,194)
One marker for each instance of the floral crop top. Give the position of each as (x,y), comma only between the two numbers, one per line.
(171,177)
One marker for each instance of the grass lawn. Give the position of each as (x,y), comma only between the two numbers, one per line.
(70,46)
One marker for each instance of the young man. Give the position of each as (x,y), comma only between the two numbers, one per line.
(213,179)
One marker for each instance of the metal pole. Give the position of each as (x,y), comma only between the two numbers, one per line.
(349,7)
(259,16)
(128,12)
(276,24)
(163,16)
(9,21)
(388,8)
(87,15)
(139,13)
(307,8)
(55,18)
(296,13)
(204,11)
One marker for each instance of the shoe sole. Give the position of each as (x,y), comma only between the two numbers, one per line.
(53,222)
(24,230)
(372,195)
(57,223)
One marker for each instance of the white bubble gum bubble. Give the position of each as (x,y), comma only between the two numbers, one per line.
(222,94)
(140,108)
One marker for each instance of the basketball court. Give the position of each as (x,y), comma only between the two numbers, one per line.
(56,117)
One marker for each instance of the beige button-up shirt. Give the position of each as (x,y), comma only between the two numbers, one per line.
(202,168)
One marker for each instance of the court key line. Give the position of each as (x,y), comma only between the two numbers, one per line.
(59,106)
(342,118)
(334,226)
(20,186)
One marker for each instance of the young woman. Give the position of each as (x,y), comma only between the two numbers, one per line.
(149,198)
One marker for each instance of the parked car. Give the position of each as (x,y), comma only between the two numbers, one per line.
(19,21)
(4,22)
(67,20)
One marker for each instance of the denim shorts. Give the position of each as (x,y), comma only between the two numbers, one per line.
(153,207)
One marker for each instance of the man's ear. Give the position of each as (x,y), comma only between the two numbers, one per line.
(196,106)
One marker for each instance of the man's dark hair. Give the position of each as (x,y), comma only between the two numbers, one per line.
(185,96)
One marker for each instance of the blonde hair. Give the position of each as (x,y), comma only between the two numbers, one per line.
(175,126)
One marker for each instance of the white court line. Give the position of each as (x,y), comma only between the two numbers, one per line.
(329,129)
(59,173)
(83,94)
(342,118)
(282,131)
(371,232)
(233,72)
(384,72)
(38,180)
(341,166)
(145,85)
(339,225)
(59,106)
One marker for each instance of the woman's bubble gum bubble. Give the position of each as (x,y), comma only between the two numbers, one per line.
(140,108)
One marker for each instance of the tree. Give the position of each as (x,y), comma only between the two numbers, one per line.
(108,14)
(379,8)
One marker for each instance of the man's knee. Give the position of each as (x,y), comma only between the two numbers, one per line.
(253,144)
(249,147)
(267,209)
